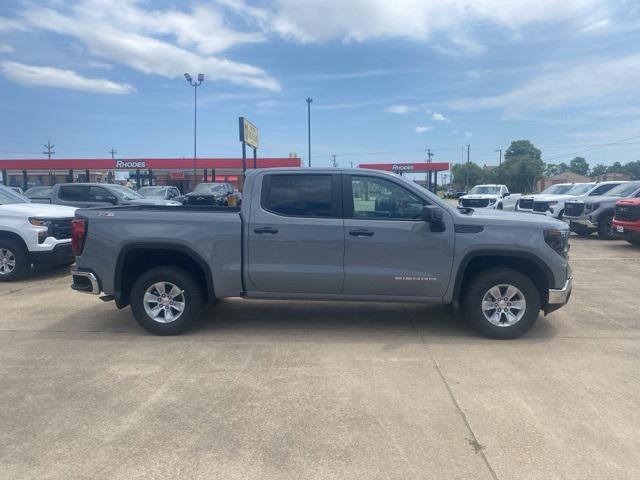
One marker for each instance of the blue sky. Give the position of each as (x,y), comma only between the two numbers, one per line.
(388,79)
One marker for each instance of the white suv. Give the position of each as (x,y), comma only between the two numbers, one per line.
(32,233)
(551,201)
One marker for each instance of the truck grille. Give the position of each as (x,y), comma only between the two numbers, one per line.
(628,213)
(60,228)
(525,203)
(540,206)
(475,202)
(573,209)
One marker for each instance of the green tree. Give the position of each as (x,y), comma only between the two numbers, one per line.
(598,170)
(551,170)
(633,170)
(522,166)
(580,166)
(467,175)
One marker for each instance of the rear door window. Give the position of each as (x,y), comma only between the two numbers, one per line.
(100,194)
(73,193)
(602,189)
(299,195)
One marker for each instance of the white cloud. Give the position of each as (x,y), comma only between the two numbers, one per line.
(56,77)
(361,20)
(561,88)
(439,117)
(9,25)
(468,134)
(166,43)
(6,48)
(597,26)
(400,109)
(422,129)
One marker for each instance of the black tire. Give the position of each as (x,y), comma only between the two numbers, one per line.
(16,253)
(500,206)
(478,287)
(580,230)
(605,232)
(192,296)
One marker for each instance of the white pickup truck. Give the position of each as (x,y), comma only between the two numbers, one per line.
(32,233)
(489,196)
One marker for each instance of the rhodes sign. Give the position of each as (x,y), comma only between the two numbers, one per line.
(130,164)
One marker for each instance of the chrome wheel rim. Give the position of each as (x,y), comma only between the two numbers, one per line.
(7,261)
(503,305)
(164,302)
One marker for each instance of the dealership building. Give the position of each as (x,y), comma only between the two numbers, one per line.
(183,173)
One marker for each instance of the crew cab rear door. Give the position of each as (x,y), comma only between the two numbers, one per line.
(389,250)
(295,234)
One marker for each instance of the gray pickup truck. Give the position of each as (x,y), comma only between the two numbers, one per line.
(324,235)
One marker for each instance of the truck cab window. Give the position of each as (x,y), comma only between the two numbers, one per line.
(298,195)
(72,193)
(377,198)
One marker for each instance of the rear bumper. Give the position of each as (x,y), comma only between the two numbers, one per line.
(85,282)
(559,296)
(60,254)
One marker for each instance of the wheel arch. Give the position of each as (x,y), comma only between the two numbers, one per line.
(136,258)
(524,262)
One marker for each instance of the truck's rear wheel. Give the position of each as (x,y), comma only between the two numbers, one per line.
(501,303)
(166,300)
(14,260)
(605,230)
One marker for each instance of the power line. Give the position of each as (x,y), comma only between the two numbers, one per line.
(594,148)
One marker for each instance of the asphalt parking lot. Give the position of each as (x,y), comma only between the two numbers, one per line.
(323,390)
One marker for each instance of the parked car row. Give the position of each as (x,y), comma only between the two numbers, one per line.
(589,207)
(85,195)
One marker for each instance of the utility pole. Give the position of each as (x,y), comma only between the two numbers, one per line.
(499,150)
(309,100)
(111,176)
(334,162)
(113,153)
(49,148)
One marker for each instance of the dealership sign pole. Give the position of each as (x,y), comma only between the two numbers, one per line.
(248,136)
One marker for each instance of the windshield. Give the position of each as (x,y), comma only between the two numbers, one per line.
(557,189)
(152,192)
(8,196)
(216,188)
(623,190)
(125,193)
(580,189)
(38,192)
(485,190)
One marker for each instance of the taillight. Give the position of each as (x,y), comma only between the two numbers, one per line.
(78,235)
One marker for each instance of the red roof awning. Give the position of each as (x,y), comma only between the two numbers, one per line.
(142,163)
(408,167)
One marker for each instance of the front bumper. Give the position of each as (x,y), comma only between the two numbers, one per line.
(59,255)
(85,282)
(559,296)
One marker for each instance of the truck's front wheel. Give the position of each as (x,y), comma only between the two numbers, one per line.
(501,303)
(14,260)
(166,300)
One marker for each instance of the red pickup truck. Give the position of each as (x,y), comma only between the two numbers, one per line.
(626,223)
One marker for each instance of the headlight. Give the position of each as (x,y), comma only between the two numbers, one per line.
(492,201)
(558,240)
(39,223)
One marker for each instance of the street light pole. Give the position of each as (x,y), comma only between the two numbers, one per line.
(499,150)
(195,86)
(309,100)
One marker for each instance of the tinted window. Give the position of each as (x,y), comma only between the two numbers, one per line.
(99,194)
(602,189)
(382,199)
(72,194)
(298,195)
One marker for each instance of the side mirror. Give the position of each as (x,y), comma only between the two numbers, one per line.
(112,200)
(505,194)
(433,215)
